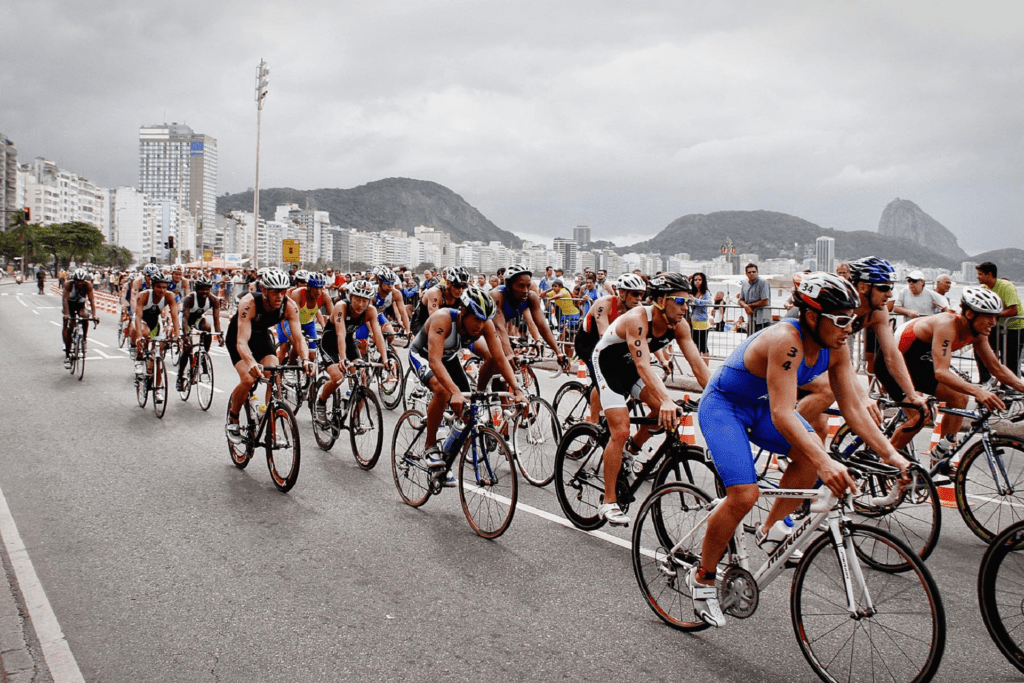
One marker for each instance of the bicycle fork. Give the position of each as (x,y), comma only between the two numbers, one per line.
(842,541)
(995,461)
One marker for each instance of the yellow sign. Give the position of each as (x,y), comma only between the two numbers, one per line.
(290,251)
(207,256)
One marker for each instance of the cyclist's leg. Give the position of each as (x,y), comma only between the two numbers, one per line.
(801,472)
(284,346)
(186,351)
(241,390)
(813,406)
(922,375)
(953,399)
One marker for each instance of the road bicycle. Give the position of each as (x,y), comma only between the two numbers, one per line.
(122,329)
(863,605)
(79,334)
(356,409)
(390,377)
(533,432)
(579,468)
(199,371)
(1001,592)
(988,481)
(487,482)
(155,379)
(273,426)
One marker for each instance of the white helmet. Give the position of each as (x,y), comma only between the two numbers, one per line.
(385,275)
(275,279)
(631,282)
(363,288)
(983,301)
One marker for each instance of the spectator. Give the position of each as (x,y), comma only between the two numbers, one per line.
(917,299)
(843,270)
(741,324)
(700,320)
(755,298)
(494,281)
(545,282)
(792,310)
(942,286)
(1010,324)
(590,293)
(718,312)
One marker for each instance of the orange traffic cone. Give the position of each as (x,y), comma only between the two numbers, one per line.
(947,493)
(581,371)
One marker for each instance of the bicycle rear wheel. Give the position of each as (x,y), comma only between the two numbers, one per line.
(899,635)
(673,515)
(579,474)
(412,477)
(571,403)
(488,487)
(188,376)
(73,356)
(121,336)
(391,385)
(985,508)
(159,386)
(204,380)
(142,389)
(535,436)
(914,517)
(241,451)
(282,446)
(1001,593)
(325,433)
(365,427)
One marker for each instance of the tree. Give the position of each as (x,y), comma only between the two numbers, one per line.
(425,265)
(72,241)
(26,239)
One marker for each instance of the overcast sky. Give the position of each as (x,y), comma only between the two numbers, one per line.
(543,115)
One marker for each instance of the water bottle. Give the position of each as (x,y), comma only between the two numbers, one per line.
(453,435)
(257,408)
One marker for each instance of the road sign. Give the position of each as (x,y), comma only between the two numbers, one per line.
(207,256)
(290,251)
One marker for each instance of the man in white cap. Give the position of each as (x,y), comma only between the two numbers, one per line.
(917,299)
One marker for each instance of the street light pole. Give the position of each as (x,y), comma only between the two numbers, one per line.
(262,73)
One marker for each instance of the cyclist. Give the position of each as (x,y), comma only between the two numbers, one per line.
(389,299)
(40,278)
(149,306)
(622,368)
(310,297)
(194,310)
(136,286)
(179,284)
(249,342)
(516,298)
(751,398)
(446,294)
(434,356)
(77,291)
(927,345)
(631,290)
(339,344)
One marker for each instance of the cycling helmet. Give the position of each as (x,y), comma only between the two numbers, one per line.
(826,292)
(363,288)
(202,282)
(983,301)
(385,275)
(873,270)
(457,276)
(178,269)
(276,279)
(515,271)
(316,280)
(666,283)
(80,275)
(151,270)
(631,283)
(479,303)
(160,277)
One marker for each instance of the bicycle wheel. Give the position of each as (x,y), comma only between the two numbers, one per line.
(241,452)
(391,386)
(488,486)
(571,403)
(414,395)
(988,507)
(73,355)
(291,389)
(412,477)
(282,446)
(365,427)
(80,352)
(673,515)
(121,336)
(204,379)
(325,433)
(579,474)
(528,381)
(899,630)
(189,376)
(142,390)
(913,516)
(688,465)
(845,442)
(1001,592)
(173,352)
(159,384)
(535,436)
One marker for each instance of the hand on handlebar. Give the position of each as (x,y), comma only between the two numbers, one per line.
(668,414)
(836,477)
(990,400)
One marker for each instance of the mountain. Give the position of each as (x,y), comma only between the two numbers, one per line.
(401,203)
(1009,262)
(773,235)
(903,218)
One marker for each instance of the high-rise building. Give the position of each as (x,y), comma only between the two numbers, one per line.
(581,235)
(825,254)
(8,179)
(567,248)
(180,165)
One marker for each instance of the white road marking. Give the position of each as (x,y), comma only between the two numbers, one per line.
(56,651)
(53,322)
(22,302)
(35,311)
(94,341)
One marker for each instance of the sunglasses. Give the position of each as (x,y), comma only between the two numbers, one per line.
(840,320)
(681,300)
(883,288)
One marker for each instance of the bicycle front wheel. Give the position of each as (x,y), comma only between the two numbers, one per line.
(80,353)
(488,487)
(667,539)
(282,445)
(1001,592)
(159,386)
(535,436)
(365,427)
(571,403)
(142,390)
(73,356)
(991,501)
(241,450)
(204,380)
(412,477)
(898,631)
(188,376)
(121,327)
(579,474)
(324,432)
(391,385)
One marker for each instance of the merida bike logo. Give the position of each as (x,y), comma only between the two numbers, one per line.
(780,551)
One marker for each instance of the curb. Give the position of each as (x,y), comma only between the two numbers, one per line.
(21,658)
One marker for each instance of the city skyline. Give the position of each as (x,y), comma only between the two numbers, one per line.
(625,123)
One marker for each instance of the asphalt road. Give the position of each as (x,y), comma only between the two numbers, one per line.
(164,562)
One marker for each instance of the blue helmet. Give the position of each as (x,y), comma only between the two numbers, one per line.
(150,270)
(316,280)
(872,270)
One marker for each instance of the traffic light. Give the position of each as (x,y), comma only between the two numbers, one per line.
(28,215)
(170,242)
